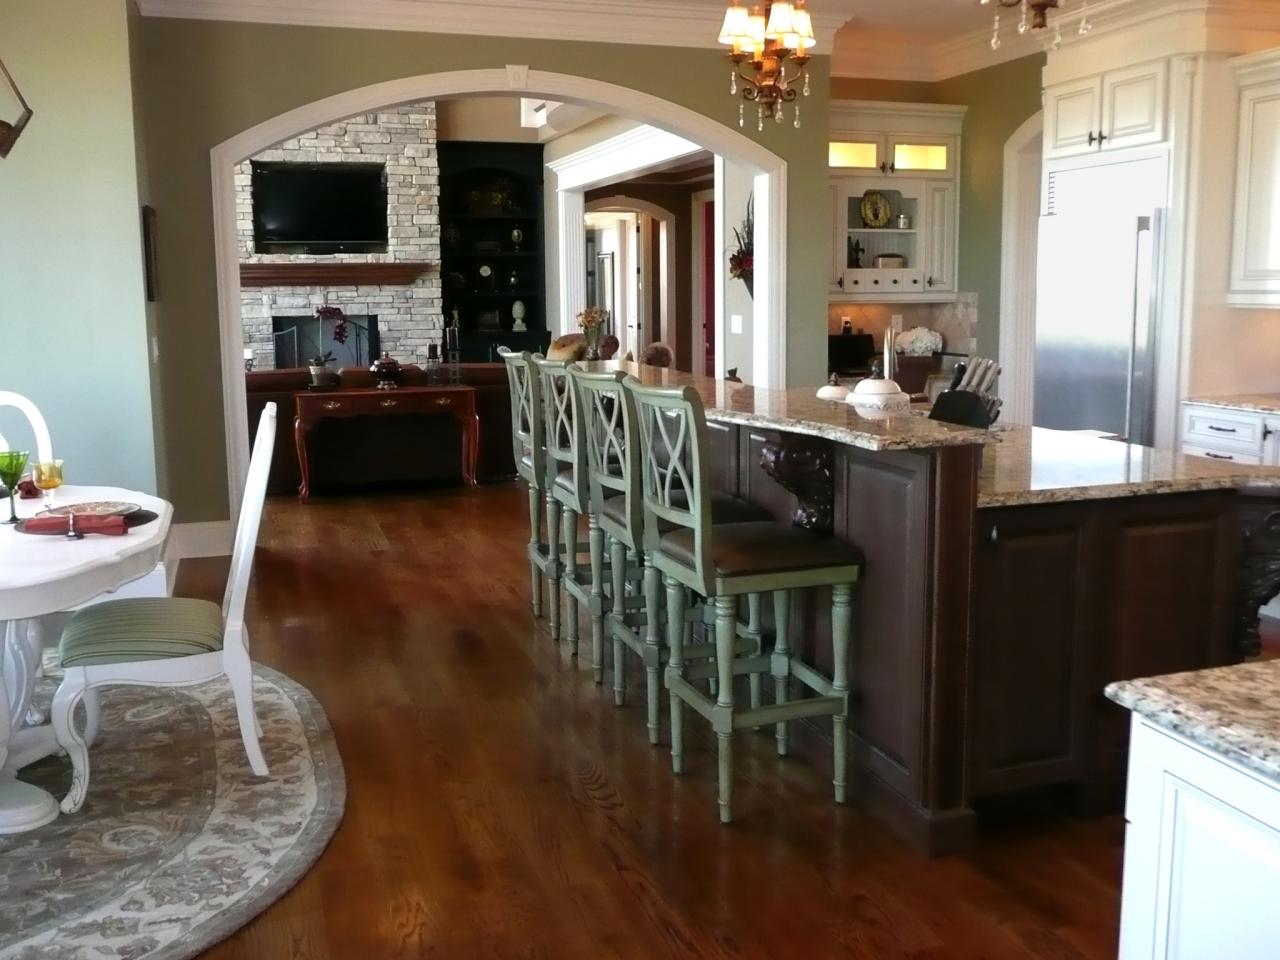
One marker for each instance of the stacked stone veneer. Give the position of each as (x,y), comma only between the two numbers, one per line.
(409,317)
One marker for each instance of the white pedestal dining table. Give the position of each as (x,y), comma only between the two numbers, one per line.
(42,575)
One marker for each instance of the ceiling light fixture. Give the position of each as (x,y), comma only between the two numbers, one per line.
(767,38)
(1034,15)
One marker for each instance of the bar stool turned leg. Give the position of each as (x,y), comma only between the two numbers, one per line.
(675,668)
(781,660)
(757,645)
(570,537)
(841,626)
(618,570)
(722,716)
(595,538)
(553,564)
(652,650)
(535,517)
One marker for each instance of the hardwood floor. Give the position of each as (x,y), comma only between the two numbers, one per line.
(500,806)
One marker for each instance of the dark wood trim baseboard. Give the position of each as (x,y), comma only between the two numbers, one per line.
(344,274)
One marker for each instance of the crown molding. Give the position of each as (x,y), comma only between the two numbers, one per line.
(666,23)
(902,58)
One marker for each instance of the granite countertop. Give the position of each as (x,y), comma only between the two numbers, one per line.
(1029,465)
(1258,402)
(799,411)
(1233,711)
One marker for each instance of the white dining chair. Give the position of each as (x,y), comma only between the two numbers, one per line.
(168,641)
(44,442)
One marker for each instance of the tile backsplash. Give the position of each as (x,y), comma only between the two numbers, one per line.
(957,322)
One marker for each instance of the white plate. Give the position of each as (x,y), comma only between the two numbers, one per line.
(93,508)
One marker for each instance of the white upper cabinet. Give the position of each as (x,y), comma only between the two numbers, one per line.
(894,189)
(1073,117)
(1133,105)
(1107,111)
(1255,260)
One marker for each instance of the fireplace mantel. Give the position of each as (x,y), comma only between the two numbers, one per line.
(333,274)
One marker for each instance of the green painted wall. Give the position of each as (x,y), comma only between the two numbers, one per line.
(73,322)
(204,82)
(1000,99)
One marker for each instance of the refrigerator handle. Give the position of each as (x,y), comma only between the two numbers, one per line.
(1137,321)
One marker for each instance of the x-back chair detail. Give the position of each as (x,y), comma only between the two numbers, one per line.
(722,563)
(529,452)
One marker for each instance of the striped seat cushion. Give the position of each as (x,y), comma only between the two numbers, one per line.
(146,628)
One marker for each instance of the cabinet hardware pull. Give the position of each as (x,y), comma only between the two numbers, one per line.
(929,282)
(1266,431)
(443,401)
(1093,138)
(332,405)
(1214,426)
(1102,136)
(388,402)
(884,167)
(840,282)
(893,168)
(1218,456)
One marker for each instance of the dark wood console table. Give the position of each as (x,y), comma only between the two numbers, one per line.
(457,400)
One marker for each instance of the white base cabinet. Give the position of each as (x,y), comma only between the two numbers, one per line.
(1231,434)
(1202,854)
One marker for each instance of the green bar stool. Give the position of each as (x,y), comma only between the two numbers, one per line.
(723,563)
(529,453)
(608,414)
(568,495)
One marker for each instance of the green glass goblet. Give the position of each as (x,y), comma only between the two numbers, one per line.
(12,463)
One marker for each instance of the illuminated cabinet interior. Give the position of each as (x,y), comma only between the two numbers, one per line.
(894,187)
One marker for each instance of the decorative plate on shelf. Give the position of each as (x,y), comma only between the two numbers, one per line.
(875,209)
(93,508)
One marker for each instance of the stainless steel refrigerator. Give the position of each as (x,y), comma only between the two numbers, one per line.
(1097,304)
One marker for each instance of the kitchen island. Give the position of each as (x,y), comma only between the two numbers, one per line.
(1011,575)
(1202,846)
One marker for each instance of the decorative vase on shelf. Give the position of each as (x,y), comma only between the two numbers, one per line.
(386,371)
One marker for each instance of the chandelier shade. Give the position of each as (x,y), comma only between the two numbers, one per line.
(770,45)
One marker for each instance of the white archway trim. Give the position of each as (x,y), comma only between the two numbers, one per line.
(1020,220)
(666,221)
(770,303)
(622,157)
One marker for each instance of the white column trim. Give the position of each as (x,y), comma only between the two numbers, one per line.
(1018,236)
(698,280)
(572,258)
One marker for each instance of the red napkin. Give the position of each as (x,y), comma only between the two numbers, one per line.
(27,489)
(112,526)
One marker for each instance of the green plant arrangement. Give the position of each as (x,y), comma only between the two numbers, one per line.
(742,262)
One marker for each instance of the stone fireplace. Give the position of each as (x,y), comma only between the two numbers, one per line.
(406,316)
(299,337)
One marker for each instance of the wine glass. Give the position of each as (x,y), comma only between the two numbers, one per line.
(12,463)
(47,476)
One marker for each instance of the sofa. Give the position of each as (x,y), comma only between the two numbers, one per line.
(383,450)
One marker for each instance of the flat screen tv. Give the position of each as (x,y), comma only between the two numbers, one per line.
(319,208)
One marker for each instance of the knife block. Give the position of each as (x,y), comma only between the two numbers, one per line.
(962,407)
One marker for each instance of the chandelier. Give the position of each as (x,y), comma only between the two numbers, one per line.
(770,50)
(1034,15)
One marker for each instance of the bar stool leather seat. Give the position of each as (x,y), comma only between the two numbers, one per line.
(742,549)
(724,509)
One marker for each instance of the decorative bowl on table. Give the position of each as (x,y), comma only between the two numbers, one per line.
(877,399)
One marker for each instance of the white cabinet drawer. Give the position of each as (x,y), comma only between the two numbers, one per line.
(1214,427)
(1233,456)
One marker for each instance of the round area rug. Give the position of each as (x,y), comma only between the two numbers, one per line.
(178,844)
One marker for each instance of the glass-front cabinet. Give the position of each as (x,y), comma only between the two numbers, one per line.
(894,201)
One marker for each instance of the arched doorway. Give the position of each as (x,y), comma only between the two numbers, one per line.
(660,299)
(769,317)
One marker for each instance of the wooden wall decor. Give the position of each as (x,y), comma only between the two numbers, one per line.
(9,132)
